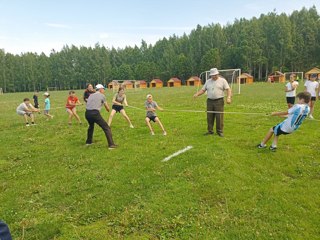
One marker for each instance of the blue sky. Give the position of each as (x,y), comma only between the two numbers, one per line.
(41,25)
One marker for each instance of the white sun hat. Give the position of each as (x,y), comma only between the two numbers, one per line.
(213,71)
(99,86)
(149,95)
(46,94)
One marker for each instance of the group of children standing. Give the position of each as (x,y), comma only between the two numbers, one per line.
(119,100)
(295,114)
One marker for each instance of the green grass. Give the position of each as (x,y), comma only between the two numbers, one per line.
(54,187)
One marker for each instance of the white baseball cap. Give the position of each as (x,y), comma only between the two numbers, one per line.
(99,86)
(149,95)
(46,94)
(213,71)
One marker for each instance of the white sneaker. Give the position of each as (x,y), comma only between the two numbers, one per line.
(164,133)
(27,125)
(152,133)
(33,124)
(311,117)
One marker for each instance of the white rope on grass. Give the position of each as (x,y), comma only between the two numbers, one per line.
(203,111)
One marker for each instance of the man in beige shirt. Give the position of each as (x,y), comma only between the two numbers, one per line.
(215,88)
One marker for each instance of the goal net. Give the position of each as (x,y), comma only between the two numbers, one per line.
(126,84)
(231,75)
(1,91)
(299,75)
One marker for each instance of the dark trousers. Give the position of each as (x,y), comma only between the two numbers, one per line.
(94,116)
(218,106)
(4,232)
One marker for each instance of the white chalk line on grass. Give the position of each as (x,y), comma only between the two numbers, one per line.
(177,153)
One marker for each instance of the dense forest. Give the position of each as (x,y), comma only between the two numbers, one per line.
(257,46)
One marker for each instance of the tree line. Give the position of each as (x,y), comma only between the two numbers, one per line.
(258,46)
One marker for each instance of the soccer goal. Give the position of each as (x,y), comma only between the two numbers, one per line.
(231,75)
(1,91)
(50,89)
(299,75)
(126,84)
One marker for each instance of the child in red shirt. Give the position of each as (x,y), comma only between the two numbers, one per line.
(72,102)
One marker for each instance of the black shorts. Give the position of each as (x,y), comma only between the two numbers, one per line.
(313,99)
(117,108)
(291,100)
(153,118)
(277,130)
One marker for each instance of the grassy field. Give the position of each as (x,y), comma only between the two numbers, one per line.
(54,187)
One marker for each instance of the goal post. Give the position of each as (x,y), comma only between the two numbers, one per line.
(50,89)
(1,91)
(231,75)
(299,75)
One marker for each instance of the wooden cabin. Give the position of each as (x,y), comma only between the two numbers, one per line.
(143,84)
(245,78)
(174,82)
(194,81)
(156,83)
(277,77)
(127,85)
(313,71)
(114,85)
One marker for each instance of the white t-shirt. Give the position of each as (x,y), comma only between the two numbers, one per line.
(296,116)
(311,87)
(289,87)
(215,88)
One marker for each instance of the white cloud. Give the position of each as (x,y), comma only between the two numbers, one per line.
(57,25)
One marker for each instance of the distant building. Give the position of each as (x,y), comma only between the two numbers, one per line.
(174,82)
(156,83)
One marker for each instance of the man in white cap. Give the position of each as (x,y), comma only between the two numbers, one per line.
(93,107)
(215,87)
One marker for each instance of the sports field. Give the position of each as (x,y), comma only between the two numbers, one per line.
(54,187)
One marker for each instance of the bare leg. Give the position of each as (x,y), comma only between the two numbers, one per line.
(32,117)
(74,111)
(113,112)
(149,125)
(311,107)
(70,116)
(267,137)
(275,141)
(123,112)
(159,122)
(26,118)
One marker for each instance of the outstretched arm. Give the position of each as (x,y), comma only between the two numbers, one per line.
(106,106)
(279,113)
(199,93)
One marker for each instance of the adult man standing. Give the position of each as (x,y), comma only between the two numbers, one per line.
(215,87)
(93,107)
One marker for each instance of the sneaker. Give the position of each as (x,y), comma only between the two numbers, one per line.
(113,146)
(33,124)
(261,146)
(208,133)
(152,133)
(88,144)
(220,135)
(27,125)
(164,133)
(273,149)
(131,126)
(311,117)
